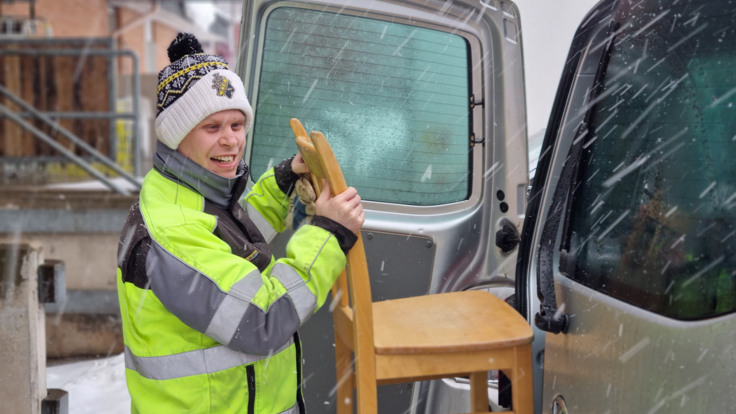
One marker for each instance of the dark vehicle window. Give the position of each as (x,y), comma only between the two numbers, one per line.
(654,217)
(391,98)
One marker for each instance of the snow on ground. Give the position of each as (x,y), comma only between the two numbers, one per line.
(94,385)
(95,185)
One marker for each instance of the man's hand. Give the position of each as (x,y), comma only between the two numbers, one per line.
(344,208)
(298,166)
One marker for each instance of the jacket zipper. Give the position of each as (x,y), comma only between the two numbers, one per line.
(250,371)
(299,396)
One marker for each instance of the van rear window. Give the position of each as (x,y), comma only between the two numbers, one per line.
(391,98)
(654,216)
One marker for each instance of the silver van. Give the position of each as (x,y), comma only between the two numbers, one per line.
(423,104)
(619,252)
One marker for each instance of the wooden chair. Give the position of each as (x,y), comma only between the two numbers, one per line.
(434,336)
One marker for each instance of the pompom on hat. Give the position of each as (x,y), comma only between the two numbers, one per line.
(194,86)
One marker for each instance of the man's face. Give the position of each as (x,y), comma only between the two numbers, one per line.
(217,143)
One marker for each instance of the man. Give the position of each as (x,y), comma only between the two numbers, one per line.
(209,316)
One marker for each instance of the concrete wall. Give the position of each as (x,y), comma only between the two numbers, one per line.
(90,258)
(82,229)
(87,322)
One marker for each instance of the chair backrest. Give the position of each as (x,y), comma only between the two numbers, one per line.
(323,165)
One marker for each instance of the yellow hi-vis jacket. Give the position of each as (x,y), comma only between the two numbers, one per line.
(209,316)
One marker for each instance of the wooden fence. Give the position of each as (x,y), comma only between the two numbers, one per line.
(62,79)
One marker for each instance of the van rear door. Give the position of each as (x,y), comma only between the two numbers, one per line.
(423,103)
(631,214)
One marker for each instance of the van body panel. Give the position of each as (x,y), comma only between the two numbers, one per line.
(429,94)
(619,358)
(642,253)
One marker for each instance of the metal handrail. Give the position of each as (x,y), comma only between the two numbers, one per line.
(73,138)
(70,155)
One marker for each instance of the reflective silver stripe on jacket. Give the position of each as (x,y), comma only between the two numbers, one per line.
(230,318)
(292,410)
(303,299)
(198,362)
(229,314)
(261,223)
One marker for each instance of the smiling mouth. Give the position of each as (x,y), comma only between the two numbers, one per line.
(224,160)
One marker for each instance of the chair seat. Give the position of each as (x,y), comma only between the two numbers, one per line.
(442,323)
(447,322)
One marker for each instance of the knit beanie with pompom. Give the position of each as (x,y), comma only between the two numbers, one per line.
(194,86)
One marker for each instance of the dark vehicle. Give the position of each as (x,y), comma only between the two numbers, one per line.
(626,261)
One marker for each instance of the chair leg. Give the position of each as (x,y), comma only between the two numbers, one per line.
(365,389)
(522,386)
(479,392)
(345,377)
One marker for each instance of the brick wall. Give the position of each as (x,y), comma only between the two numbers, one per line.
(92,18)
(68,18)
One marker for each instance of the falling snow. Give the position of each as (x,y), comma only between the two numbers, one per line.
(98,385)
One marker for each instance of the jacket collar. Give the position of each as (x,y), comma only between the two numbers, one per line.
(180,169)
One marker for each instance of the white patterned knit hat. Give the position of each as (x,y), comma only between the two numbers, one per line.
(194,86)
